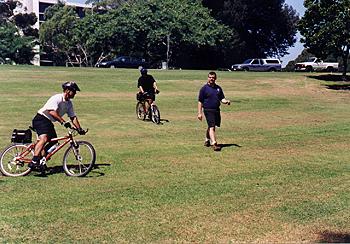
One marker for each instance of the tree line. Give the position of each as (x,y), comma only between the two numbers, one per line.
(186,33)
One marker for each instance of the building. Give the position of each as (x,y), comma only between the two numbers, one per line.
(39,6)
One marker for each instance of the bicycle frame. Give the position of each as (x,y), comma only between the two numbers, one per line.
(67,139)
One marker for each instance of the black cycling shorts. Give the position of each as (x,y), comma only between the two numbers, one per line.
(150,95)
(213,117)
(43,125)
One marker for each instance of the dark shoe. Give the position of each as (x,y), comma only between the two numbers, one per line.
(207,143)
(216,147)
(34,164)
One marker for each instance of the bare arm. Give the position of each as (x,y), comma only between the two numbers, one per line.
(155,86)
(225,101)
(75,122)
(54,114)
(200,108)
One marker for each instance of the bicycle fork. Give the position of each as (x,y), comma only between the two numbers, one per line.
(75,147)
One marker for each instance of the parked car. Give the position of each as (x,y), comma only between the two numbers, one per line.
(316,64)
(258,64)
(124,62)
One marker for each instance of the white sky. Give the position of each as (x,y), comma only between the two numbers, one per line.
(298,47)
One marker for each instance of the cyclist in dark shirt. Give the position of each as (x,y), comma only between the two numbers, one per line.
(146,83)
(209,99)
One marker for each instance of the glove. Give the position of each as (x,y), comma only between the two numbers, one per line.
(81,131)
(66,124)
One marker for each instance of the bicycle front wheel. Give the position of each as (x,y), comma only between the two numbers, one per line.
(155,114)
(140,111)
(13,165)
(79,161)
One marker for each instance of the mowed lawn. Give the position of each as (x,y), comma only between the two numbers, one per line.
(283,174)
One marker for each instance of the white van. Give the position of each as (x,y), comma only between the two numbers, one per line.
(258,64)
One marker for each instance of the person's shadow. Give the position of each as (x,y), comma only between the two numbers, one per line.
(228,145)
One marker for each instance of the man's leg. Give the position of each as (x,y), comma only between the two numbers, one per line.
(37,150)
(212,136)
(207,139)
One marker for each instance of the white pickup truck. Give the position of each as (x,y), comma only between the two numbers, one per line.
(316,64)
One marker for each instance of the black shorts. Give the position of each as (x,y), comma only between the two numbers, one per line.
(150,95)
(43,125)
(213,117)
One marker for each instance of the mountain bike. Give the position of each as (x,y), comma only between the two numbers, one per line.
(145,109)
(78,159)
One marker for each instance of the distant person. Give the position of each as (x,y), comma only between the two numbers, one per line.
(52,111)
(210,97)
(147,84)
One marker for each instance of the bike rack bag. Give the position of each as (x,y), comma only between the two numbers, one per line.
(21,136)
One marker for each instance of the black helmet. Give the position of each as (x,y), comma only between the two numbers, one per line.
(70,85)
(143,71)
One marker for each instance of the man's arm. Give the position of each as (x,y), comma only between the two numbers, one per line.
(155,86)
(200,108)
(54,114)
(225,101)
(75,122)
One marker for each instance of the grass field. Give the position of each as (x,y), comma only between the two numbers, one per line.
(283,175)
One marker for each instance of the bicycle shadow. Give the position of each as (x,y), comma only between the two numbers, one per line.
(160,123)
(59,170)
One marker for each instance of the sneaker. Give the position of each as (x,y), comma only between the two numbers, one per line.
(207,143)
(216,147)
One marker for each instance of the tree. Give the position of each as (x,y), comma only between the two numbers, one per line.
(264,28)
(17,36)
(161,29)
(59,34)
(326,28)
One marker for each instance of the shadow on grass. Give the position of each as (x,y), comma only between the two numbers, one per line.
(160,123)
(330,77)
(334,237)
(340,82)
(229,145)
(59,169)
(222,146)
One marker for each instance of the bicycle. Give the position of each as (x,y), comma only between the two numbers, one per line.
(78,159)
(144,108)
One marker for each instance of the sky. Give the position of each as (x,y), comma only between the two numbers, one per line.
(298,47)
(293,51)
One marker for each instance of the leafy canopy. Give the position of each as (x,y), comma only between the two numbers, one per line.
(326,28)
(17,36)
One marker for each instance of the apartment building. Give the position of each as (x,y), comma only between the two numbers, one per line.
(39,6)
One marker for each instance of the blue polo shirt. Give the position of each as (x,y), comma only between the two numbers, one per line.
(210,96)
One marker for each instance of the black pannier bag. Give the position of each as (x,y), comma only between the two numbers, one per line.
(139,96)
(21,136)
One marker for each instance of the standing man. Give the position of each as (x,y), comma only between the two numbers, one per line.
(146,83)
(52,111)
(209,99)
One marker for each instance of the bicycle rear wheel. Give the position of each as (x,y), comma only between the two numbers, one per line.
(155,114)
(11,164)
(79,161)
(140,111)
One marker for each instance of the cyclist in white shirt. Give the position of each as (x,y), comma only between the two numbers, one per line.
(53,111)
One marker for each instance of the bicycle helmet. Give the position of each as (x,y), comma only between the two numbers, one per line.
(143,71)
(70,85)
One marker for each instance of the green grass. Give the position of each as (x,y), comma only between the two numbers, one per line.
(283,177)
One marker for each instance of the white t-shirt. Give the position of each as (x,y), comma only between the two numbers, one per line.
(57,102)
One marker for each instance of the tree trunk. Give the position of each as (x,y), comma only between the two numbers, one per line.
(345,62)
